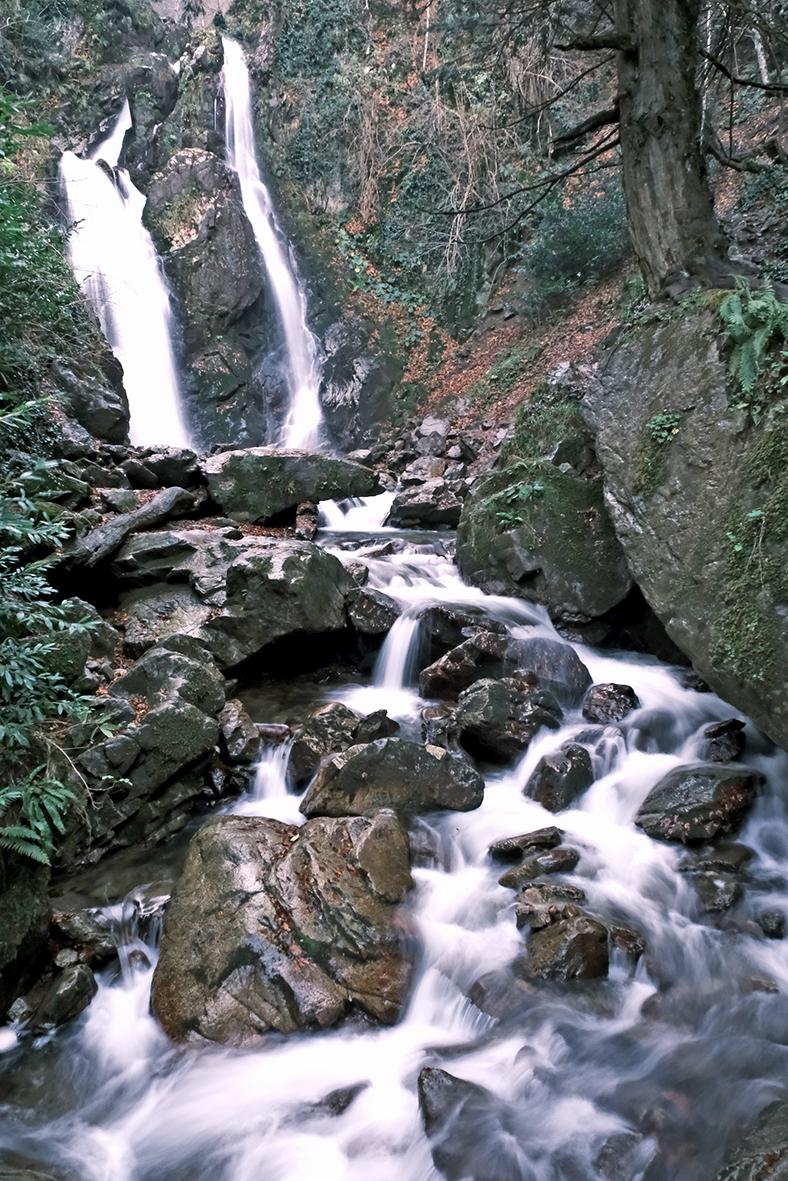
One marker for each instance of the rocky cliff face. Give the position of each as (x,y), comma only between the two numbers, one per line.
(698,496)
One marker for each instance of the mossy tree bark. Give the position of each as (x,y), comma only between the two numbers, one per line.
(671,212)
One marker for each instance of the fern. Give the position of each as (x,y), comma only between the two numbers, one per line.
(36,807)
(756,324)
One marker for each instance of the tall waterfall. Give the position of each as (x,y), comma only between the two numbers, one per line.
(302,425)
(115,264)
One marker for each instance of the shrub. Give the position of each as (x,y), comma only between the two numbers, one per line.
(580,239)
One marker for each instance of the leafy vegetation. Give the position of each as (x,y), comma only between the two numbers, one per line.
(43,323)
(756,327)
(518,495)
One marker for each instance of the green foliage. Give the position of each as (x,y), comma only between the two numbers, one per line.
(756,325)
(517,494)
(664,425)
(551,413)
(311,35)
(44,322)
(578,241)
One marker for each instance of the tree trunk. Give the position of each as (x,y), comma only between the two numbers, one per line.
(674,229)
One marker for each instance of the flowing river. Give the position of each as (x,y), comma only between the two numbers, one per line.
(642,1075)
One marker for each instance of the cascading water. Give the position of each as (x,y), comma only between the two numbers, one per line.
(304,416)
(115,263)
(641,1077)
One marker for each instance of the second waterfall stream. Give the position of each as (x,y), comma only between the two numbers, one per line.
(304,415)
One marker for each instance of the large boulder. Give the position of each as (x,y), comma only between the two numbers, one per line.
(697,495)
(393,773)
(259,483)
(540,532)
(698,803)
(429,505)
(275,590)
(274,927)
(102,542)
(24,920)
(496,720)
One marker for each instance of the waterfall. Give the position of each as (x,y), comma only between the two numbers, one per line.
(115,263)
(302,425)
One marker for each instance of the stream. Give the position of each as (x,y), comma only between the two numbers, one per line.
(647,1074)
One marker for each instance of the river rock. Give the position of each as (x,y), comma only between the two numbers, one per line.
(560,777)
(496,720)
(153,613)
(24,919)
(542,533)
(763,1153)
(470,1129)
(574,948)
(275,590)
(275,927)
(371,612)
(86,931)
(431,505)
(481,655)
(544,902)
(609,703)
(330,728)
(698,803)
(240,738)
(557,667)
(393,773)
(513,848)
(538,862)
(68,994)
(259,483)
(724,741)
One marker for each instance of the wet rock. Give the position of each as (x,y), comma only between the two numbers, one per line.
(161,673)
(698,803)
(393,773)
(259,483)
(622,1157)
(763,1153)
(240,738)
(335,1102)
(276,590)
(501,994)
(716,891)
(513,848)
(543,533)
(560,860)
(330,728)
(628,941)
(772,923)
(371,612)
(469,1128)
(374,726)
(101,543)
(481,655)
(542,903)
(68,995)
(496,719)
(275,927)
(609,703)
(557,667)
(574,948)
(724,741)
(154,613)
(21,1173)
(446,625)
(674,525)
(560,777)
(431,505)
(726,856)
(85,931)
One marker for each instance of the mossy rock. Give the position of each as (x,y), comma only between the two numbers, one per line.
(702,510)
(542,533)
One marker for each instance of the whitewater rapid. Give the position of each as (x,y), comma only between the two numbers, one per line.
(668,1056)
